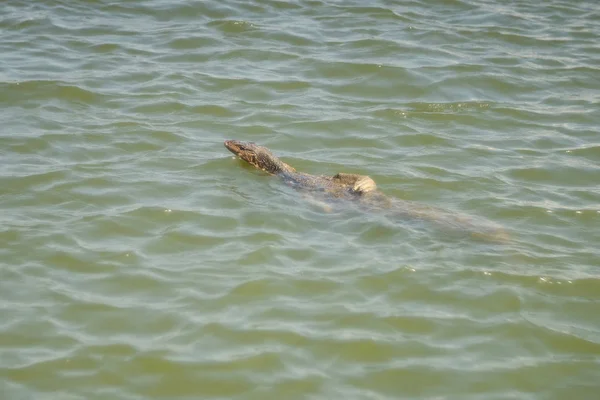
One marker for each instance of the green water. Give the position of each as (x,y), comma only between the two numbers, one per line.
(139,260)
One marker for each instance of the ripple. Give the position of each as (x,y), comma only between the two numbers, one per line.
(48,90)
(233,26)
(585,177)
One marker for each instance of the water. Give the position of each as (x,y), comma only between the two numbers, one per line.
(140,261)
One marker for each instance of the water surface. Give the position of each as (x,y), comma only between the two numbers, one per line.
(139,260)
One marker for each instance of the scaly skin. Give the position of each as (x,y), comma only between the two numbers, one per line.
(359,188)
(339,185)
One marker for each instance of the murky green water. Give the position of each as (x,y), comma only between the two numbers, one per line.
(139,260)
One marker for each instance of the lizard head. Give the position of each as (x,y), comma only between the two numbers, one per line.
(258,156)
